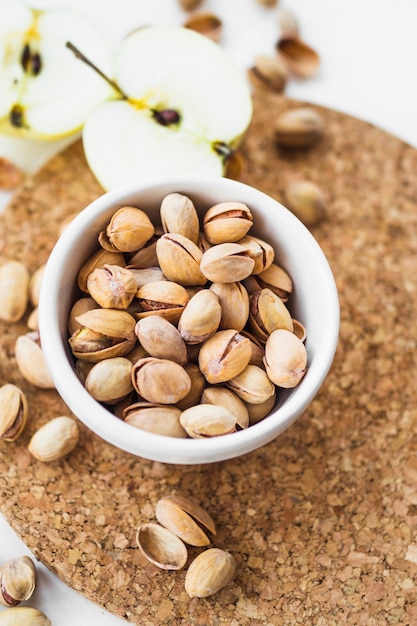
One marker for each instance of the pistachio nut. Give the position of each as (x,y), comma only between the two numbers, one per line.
(23,616)
(146,256)
(207,420)
(252,385)
(110,380)
(178,215)
(35,282)
(186,518)
(300,58)
(226,263)
(13,412)
(31,361)
(234,303)
(160,380)
(207,24)
(257,412)
(221,396)
(299,128)
(112,286)
(274,278)
(285,358)
(209,572)
(260,251)
(144,275)
(268,73)
(155,418)
(306,200)
(14,290)
(99,259)
(161,546)
(179,258)
(198,383)
(129,229)
(103,333)
(17,581)
(224,355)
(201,317)
(161,339)
(78,308)
(227,222)
(267,312)
(162,297)
(55,439)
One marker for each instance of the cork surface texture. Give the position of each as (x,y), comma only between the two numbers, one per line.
(323,520)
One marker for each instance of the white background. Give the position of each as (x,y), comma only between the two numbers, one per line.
(368,51)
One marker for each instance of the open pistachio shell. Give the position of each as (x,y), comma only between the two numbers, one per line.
(162,297)
(207,420)
(31,361)
(161,546)
(252,385)
(234,303)
(224,397)
(227,222)
(285,358)
(99,259)
(129,229)
(179,259)
(13,412)
(161,339)
(201,317)
(17,581)
(186,518)
(155,418)
(267,313)
(178,215)
(226,263)
(160,380)
(224,355)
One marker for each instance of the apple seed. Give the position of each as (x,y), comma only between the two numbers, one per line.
(31,61)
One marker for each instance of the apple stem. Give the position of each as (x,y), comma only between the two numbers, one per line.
(87,61)
(223,149)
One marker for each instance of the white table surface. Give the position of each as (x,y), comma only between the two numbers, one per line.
(369,56)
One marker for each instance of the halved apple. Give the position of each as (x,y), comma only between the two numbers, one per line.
(45,92)
(183,107)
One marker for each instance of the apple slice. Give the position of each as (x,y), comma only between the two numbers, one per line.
(183,108)
(45,92)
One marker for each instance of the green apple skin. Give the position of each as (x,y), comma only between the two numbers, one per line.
(160,68)
(45,92)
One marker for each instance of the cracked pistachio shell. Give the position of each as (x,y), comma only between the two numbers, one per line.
(224,355)
(13,412)
(285,359)
(155,418)
(35,285)
(186,518)
(103,333)
(198,383)
(257,412)
(112,286)
(268,73)
(160,381)
(201,317)
(161,339)
(164,298)
(99,259)
(129,229)
(267,313)
(227,222)
(179,258)
(252,385)
(23,616)
(234,303)
(178,215)
(258,350)
(224,397)
(226,263)
(299,128)
(14,291)
(80,306)
(55,439)
(207,420)
(161,546)
(31,361)
(17,581)
(299,330)
(260,251)
(209,572)
(274,278)
(110,380)
(207,24)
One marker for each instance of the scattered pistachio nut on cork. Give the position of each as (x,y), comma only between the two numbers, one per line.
(14,289)
(55,439)
(17,581)
(13,412)
(23,616)
(209,572)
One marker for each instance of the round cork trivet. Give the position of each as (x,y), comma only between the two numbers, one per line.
(322,521)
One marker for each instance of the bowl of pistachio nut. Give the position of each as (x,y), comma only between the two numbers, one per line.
(188,320)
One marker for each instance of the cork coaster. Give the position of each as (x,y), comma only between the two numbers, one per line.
(322,521)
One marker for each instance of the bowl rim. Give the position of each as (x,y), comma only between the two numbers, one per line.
(150,445)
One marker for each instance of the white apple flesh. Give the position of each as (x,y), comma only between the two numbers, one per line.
(187,80)
(45,92)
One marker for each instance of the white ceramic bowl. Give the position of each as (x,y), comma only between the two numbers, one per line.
(314,302)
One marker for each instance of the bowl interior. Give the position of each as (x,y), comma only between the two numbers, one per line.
(314,302)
